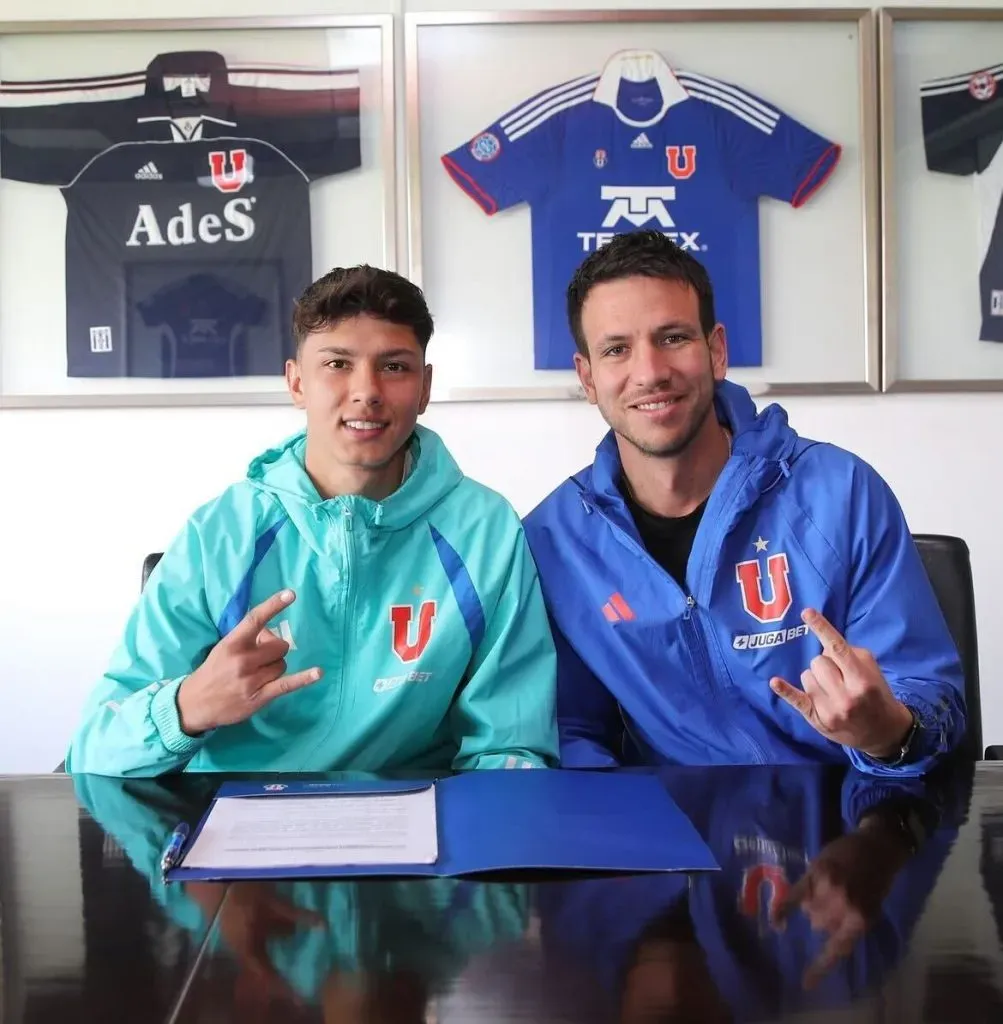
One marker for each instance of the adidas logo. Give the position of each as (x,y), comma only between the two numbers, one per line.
(149,172)
(641,142)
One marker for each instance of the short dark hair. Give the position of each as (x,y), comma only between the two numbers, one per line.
(346,292)
(638,254)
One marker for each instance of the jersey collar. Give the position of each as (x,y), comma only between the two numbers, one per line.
(189,77)
(638,66)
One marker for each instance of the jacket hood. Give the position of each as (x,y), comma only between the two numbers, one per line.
(281,473)
(765,439)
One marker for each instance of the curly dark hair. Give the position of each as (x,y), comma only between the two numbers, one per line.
(638,254)
(345,292)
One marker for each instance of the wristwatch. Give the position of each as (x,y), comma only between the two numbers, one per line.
(908,742)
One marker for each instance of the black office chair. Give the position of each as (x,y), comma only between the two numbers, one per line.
(149,564)
(948,565)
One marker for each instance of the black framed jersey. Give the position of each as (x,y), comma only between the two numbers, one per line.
(187,191)
(962,130)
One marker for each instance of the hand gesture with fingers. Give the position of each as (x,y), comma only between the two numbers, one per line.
(243,673)
(253,916)
(845,696)
(843,890)
(823,895)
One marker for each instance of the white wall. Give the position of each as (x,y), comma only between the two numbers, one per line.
(69,564)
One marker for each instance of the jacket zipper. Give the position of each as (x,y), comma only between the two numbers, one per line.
(718,538)
(349,545)
(346,579)
(701,645)
(346,617)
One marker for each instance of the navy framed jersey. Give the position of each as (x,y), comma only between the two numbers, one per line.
(962,117)
(187,192)
(641,144)
(942,211)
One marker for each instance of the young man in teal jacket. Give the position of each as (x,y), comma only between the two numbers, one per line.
(355,603)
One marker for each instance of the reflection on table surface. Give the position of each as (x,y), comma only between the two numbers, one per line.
(839,897)
(83,935)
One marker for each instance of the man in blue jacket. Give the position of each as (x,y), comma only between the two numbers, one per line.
(720,589)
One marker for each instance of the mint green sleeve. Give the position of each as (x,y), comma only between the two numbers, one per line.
(505,717)
(130,723)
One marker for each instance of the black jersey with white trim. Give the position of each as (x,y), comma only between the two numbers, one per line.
(189,172)
(962,130)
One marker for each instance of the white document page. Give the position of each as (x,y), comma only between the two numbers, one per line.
(318,831)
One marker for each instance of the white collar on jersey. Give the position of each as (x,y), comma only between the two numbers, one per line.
(638,66)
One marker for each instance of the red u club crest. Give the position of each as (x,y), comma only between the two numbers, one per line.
(228,175)
(405,648)
(681,160)
(757,878)
(763,607)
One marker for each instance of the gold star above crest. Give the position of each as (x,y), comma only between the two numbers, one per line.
(761,544)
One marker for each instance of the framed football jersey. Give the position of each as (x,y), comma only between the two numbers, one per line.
(942,171)
(181,188)
(697,126)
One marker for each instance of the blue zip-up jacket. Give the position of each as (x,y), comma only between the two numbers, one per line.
(423,610)
(650,671)
(764,826)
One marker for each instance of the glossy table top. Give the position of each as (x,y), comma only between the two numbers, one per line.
(840,898)
(82,935)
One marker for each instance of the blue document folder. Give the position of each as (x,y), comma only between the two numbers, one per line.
(503,820)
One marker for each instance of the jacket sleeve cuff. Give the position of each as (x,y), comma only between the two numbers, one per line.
(501,760)
(578,752)
(933,738)
(862,793)
(164,712)
(930,743)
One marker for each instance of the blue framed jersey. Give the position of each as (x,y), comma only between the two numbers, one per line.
(187,191)
(641,145)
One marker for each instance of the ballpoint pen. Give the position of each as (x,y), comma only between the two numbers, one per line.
(172,850)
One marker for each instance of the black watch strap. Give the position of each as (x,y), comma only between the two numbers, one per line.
(907,746)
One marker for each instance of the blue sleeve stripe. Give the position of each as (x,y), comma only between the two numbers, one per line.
(463,588)
(238,605)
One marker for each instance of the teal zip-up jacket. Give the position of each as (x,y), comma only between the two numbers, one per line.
(423,610)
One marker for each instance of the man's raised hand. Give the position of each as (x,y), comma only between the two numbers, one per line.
(845,696)
(242,673)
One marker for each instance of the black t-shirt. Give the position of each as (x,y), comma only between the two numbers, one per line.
(667,539)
